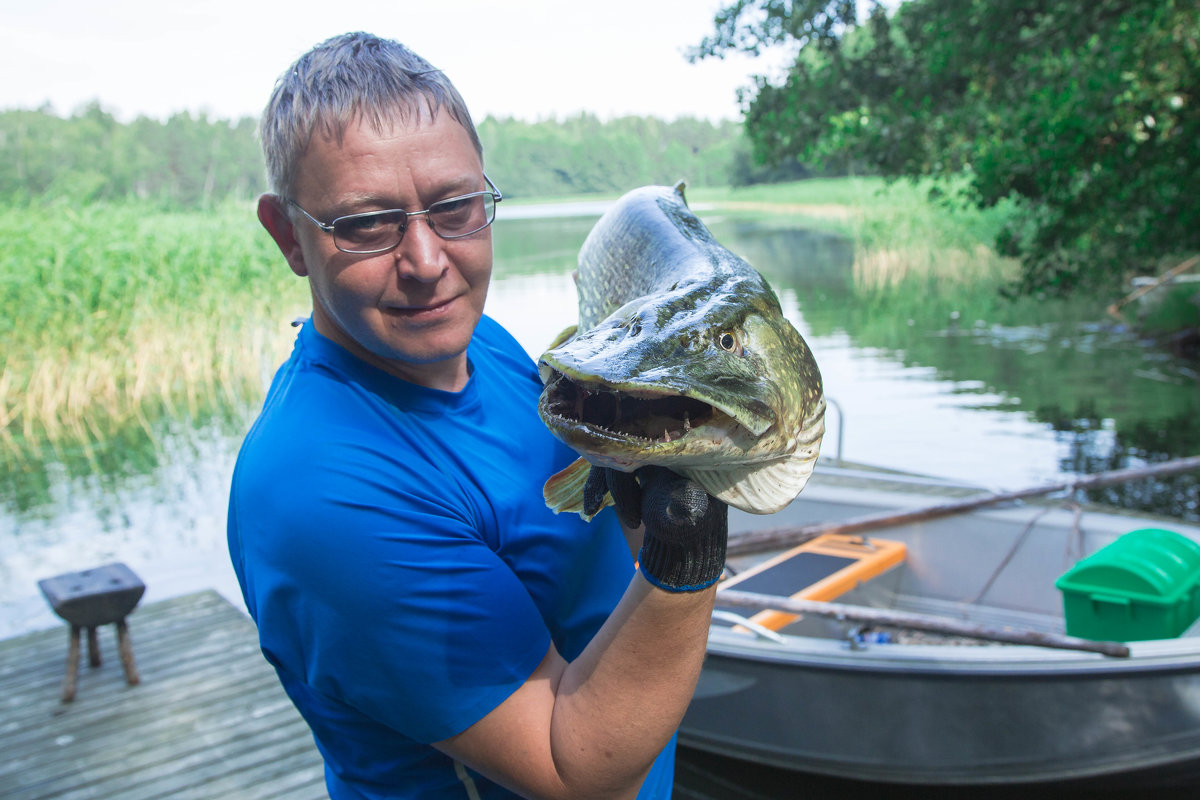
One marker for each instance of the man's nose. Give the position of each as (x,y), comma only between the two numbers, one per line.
(420,255)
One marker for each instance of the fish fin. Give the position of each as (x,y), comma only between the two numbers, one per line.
(564,490)
(766,487)
(680,185)
(567,334)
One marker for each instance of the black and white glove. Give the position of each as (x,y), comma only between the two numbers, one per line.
(683,546)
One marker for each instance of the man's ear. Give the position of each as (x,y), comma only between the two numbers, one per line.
(273,214)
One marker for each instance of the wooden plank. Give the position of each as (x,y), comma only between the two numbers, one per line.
(156,745)
(209,719)
(877,617)
(163,747)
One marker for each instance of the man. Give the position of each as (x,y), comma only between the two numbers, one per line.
(443,634)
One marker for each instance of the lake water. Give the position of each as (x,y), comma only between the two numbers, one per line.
(1004,404)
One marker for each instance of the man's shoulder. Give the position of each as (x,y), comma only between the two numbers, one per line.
(494,340)
(317,425)
(492,334)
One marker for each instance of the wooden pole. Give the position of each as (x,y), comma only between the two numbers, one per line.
(125,648)
(93,646)
(72,677)
(1115,309)
(920,622)
(748,542)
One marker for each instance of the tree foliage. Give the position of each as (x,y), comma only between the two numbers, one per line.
(583,154)
(1087,114)
(192,161)
(185,161)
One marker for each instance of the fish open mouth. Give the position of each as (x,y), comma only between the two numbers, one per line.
(643,414)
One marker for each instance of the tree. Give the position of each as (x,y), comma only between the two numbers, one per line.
(582,153)
(188,161)
(1087,114)
(192,161)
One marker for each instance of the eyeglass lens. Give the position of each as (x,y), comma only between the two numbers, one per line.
(382,230)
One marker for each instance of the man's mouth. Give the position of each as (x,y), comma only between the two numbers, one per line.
(424,309)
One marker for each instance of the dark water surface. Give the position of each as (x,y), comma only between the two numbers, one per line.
(704,776)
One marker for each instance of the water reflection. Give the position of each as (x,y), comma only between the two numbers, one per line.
(1006,394)
(981,391)
(158,506)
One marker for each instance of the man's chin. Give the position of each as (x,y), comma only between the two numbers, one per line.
(428,366)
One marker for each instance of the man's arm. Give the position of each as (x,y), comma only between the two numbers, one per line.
(593,727)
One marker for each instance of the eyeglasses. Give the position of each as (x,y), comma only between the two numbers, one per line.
(381,231)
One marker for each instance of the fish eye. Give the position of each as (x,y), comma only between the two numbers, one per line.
(728,341)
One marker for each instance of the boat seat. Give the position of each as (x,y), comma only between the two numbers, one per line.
(822,568)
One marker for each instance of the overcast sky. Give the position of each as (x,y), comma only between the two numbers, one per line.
(530,59)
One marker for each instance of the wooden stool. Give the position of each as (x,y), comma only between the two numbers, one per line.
(91,598)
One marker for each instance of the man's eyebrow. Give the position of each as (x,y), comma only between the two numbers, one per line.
(457,186)
(355,204)
(366,203)
(352,205)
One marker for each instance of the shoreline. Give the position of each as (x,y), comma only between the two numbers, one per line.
(185,573)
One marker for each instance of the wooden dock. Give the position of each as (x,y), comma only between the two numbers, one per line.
(209,719)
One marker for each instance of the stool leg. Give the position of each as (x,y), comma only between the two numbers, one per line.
(125,648)
(68,687)
(93,647)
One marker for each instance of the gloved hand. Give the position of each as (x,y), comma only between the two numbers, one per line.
(683,547)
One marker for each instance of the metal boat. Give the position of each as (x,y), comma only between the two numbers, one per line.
(826,693)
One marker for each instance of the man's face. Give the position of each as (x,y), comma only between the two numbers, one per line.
(410,311)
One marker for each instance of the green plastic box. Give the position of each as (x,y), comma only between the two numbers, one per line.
(1145,585)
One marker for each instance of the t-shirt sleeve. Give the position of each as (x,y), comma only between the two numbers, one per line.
(386,595)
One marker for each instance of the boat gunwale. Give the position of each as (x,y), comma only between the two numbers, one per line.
(949,660)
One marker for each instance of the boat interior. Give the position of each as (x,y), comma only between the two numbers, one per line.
(996,566)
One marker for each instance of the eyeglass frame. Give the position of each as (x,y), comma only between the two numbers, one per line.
(328,227)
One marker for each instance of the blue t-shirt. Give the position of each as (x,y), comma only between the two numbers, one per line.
(393,546)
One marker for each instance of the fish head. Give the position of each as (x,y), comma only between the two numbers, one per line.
(700,374)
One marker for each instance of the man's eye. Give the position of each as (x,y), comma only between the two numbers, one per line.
(362,224)
(454,208)
(369,224)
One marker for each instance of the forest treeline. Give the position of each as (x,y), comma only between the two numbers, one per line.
(191,160)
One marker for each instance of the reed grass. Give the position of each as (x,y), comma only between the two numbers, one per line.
(885,268)
(118,314)
(901,233)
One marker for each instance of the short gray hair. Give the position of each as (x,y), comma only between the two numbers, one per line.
(352,77)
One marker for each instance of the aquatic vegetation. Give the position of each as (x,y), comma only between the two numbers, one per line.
(119,314)
(902,231)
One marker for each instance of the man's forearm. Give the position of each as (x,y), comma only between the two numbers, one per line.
(593,727)
(619,703)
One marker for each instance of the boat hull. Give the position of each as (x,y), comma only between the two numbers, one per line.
(944,716)
(952,713)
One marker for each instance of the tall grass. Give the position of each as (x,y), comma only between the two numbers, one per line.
(118,314)
(901,234)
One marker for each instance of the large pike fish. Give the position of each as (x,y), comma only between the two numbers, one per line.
(682,358)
